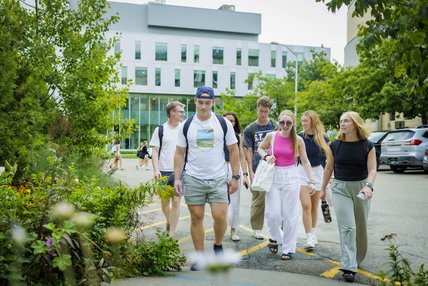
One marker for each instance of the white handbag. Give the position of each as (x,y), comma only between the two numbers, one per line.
(263,178)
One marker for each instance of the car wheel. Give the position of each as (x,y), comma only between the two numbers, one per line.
(398,169)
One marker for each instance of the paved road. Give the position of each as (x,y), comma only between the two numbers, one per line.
(399,207)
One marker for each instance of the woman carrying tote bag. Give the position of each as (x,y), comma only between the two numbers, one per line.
(282,201)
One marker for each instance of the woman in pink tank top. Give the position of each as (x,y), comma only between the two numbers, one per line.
(282,201)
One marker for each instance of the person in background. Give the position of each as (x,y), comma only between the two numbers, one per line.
(235,198)
(117,157)
(313,135)
(282,201)
(205,179)
(144,155)
(353,160)
(163,149)
(253,136)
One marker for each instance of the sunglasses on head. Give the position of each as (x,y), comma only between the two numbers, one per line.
(288,123)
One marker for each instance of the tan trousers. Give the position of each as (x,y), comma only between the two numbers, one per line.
(257,210)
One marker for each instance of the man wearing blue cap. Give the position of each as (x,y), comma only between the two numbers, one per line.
(203,137)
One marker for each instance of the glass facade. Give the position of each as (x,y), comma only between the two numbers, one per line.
(148,111)
(117,47)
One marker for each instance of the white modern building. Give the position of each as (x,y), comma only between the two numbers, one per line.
(168,51)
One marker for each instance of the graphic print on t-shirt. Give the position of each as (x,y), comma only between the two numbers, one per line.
(205,138)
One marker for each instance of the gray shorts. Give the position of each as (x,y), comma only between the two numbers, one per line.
(199,192)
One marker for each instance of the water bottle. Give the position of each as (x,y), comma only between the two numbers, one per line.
(326,211)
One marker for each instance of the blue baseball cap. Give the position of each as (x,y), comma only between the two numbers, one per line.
(205,92)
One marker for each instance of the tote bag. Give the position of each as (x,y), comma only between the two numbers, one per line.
(263,178)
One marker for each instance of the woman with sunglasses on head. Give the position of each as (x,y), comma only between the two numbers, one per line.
(316,146)
(353,160)
(282,201)
(235,198)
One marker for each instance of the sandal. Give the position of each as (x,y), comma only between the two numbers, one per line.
(287,256)
(273,246)
(348,276)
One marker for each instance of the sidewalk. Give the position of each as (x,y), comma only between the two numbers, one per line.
(132,177)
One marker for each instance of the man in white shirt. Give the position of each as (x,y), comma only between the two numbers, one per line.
(205,179)
(163,142)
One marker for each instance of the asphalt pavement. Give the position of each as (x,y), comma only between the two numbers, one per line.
(133,176)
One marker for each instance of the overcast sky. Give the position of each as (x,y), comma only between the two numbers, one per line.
(293,22)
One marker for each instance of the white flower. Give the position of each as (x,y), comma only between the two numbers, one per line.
(215,263)
(115,235)
(63,210)
(19,234)
(83,219)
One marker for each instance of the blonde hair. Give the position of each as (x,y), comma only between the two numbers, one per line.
(318,128)
(293,133)
(358,122)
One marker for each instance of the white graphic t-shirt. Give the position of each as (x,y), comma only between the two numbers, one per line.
(205,158)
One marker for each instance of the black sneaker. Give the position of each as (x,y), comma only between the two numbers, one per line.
(218,249)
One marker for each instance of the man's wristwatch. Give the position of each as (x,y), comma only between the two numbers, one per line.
(370,185)
(236,177)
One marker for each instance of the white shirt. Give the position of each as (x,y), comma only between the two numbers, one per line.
(169,142)
(205,159)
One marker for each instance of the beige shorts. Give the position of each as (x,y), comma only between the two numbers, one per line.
(199,192)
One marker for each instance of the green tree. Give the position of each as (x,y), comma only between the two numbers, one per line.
(402,25)
(60,80)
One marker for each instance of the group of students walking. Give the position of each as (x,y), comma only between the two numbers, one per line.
(208,161)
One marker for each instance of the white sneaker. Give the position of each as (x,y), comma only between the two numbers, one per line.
(315,240)
(235,237)
(258,234)
(309,244)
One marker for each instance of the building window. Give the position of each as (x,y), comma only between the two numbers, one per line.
(198,78)
(253,58)
(161,52)
(177,78)
(238,57)
(138,50)
(232,80)
(117,47)
(183,53)
(217,55)
(157,77)
(272,59)
(140,76)
(124,75)
(215,78)
(196,54)
(284,59)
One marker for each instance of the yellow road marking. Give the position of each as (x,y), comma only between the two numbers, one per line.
(254,248)
(161,223)
(180,241)
(331,273)
(150,211)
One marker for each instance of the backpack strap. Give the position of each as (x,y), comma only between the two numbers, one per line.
(223,124)
(185,130)
(160,135)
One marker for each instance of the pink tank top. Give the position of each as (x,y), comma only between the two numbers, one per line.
(283,151)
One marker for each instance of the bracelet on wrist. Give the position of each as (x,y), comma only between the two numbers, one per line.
(245,174)
(264,157)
